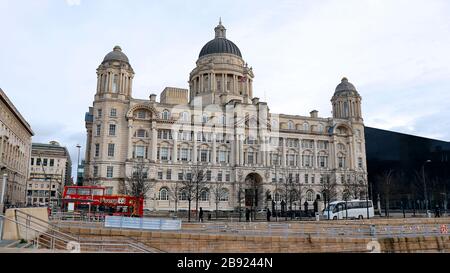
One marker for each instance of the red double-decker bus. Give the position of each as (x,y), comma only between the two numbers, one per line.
(94,200)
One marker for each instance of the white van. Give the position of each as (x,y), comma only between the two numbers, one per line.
(349,210)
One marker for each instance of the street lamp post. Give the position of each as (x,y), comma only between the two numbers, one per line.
(5,180)
(425,185)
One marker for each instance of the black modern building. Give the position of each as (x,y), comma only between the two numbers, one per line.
(401,168)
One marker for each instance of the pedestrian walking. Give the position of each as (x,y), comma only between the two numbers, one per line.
(200,215)
(437,212)
(247,214)
(268,215)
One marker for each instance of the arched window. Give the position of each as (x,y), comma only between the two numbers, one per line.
(163,194)
(204,195)
(320,128)
(305,127)
(310,196)
(183,195)
(141,133)
(165,115)
(224,195)
(290,125)
(184,116)
(277,197)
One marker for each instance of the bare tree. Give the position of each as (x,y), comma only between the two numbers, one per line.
(385,179)
(219,191)
(174,192)
(328,189)
(194,181)
(289,188)
(138,184)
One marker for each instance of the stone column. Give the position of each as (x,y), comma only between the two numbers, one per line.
(131,86)
(99,79)
(154,143)
(224,87)
(213,155)
(283,153)
(315,163)
(194,152)
(175,147)
(201,83)
(241,150)
(110,80)
(130,137)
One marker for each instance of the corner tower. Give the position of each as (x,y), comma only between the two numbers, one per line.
(347,102)
(221,74)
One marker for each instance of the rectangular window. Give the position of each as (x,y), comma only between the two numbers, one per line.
(52,162)
(97,149)
(109,171)
(139,151)
(360,162)
(32,161)
(184,155)
(164,153)
(312,179)
(227,177)
(341,162)
(111,147)
(98,130)
(113,112)
(164,134)
(323,161)
(180,176)
(291,160)
(45,162)
(219,176)
(222,156)
(250,158)
(99,113)
(160,175)
(95,171)
(38,161)
(112,129)
(203,155)
(141,114)
(306,178)
(323,145)
(169,174)
(188,176)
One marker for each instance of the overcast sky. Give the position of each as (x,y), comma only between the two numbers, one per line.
(396,53)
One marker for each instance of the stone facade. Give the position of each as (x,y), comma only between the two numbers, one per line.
(50,171)
(218,125)
(15,150)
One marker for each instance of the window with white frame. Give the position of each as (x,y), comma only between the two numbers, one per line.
(219,176)
(163,194)
(360,162)
(306,178)
(109,171)
(224,195)
(307,144)
(99,113)
(323,161)
(204,195)
(112,129)
(227,176)
(291,125)
(307,160)
(165,115)
(115,84)
(323,145)
(305,127)
(111,147)
(98,130)
(183,195)
(184,154)
(165,134)
(291,159)
(184,116)
(203,155)
(320,128)
(113,112)
(205,118)
(164,153)
(139,151)
(95,172)
(222,156)
(141,133)
(97,153)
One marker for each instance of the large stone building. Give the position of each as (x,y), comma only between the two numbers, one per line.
(50,171)
(15,149)
(219,125)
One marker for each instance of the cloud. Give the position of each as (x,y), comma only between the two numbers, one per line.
(73,2)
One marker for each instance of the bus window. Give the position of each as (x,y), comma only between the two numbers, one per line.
(97,192)
(71,191)
(84,192)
